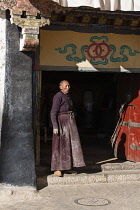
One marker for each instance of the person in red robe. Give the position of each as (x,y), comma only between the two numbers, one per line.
(66,146)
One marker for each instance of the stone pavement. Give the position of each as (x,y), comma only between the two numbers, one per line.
(100,196)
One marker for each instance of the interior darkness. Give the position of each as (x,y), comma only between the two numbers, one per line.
(96,124)
(100,117)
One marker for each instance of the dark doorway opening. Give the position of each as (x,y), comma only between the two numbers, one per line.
(96,118)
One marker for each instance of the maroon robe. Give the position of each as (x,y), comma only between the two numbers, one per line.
(66,146)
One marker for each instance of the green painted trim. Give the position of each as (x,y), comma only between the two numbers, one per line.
(99,38)
(123,49)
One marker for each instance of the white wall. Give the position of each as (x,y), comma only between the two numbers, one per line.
(125,5)
(2,62)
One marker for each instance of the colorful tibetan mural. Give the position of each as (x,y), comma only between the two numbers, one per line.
(67,48)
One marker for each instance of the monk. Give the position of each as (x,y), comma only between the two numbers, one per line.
(66,146)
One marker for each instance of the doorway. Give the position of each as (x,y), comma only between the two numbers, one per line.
(96,118)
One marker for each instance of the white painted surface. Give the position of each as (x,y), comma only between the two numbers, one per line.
(2,63)
(125,5)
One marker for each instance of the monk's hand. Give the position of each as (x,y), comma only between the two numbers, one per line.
(55,131)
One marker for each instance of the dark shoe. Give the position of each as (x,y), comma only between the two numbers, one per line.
(70,172)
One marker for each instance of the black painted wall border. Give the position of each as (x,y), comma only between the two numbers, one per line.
(17,141)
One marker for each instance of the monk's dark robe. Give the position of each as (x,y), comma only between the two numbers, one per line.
(66,146)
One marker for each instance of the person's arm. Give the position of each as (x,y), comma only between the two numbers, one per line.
(54,113)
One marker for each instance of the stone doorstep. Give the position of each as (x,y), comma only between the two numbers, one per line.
(120,166)
(92,167)
(127,165)
(94,173)
(101,177)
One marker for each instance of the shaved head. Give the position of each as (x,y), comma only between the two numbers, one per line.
(61,83)
(64,86)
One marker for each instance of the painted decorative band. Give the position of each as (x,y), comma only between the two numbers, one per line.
(130,124)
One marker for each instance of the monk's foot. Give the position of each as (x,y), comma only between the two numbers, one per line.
(58,173)
(70,172)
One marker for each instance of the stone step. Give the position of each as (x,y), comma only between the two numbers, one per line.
(91,167)
(100,177)
(127,165)
(106,173)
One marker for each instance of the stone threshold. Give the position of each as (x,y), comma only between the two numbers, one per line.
(100,177)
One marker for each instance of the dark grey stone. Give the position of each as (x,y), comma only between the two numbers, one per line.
(17,146)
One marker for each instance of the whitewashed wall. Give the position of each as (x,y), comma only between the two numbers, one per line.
(2,62)
(125,5)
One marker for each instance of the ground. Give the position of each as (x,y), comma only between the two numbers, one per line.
(123,196)
(122,193)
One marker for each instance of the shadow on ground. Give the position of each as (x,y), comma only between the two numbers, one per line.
(97,152)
